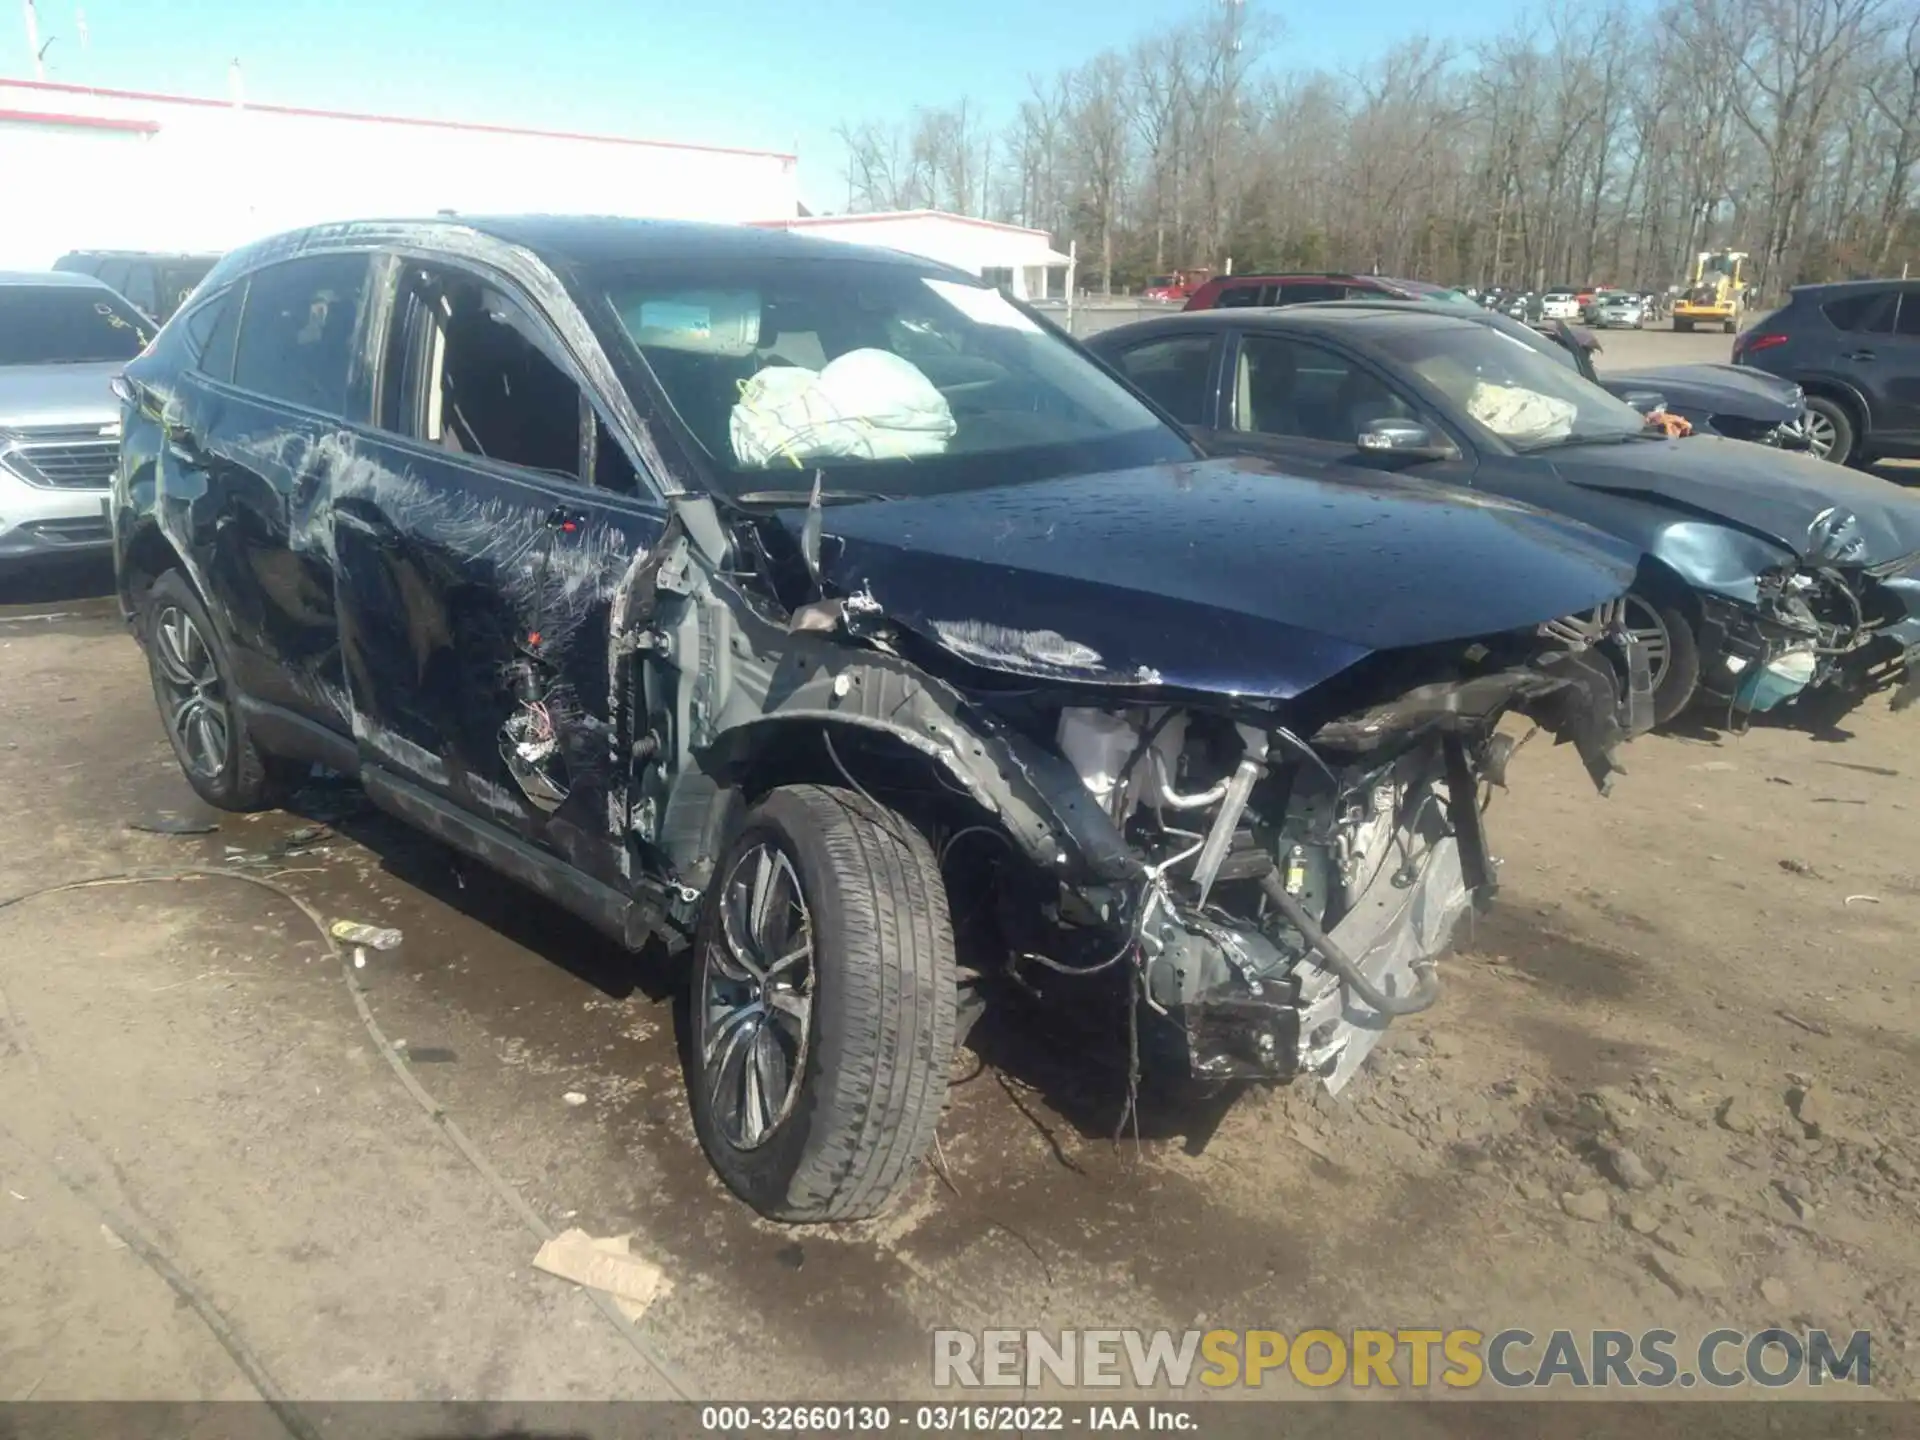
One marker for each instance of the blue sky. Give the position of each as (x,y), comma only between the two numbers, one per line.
(766,74)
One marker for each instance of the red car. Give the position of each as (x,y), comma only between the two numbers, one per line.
(1230,291)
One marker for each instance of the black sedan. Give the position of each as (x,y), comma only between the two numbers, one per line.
(1768,577)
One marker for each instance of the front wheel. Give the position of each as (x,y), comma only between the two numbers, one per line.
(822,1008)
(1682,327)
(1666,636)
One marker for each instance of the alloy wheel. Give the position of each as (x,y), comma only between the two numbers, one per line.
(1649,633)
(1821,434)
(195,700)
(756,998)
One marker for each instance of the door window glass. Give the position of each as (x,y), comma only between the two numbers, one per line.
(1173,372)
(1307,294)
(1907,322)
(1869,313)
(1290,387)
(221,323)
(297,336)
(1240,296)
(475,379)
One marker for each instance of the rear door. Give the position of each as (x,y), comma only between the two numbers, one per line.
(477,551)
(255,436)
(1897,369)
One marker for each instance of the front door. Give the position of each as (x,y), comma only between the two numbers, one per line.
(478,546)
(1303,403)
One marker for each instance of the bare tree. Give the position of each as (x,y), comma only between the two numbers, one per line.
(1589,142)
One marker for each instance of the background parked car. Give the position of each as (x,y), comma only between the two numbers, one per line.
(1855,349)
(1238,291)
(1616,310)
(63,338)
(1769,577)
(158,284)
(1560,305)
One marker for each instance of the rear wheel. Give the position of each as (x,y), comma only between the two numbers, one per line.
(1682,327)
(199,705)
(1830,433)
(822,1007)
(1665,635)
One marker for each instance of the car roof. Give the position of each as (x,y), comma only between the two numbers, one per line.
(564,241)
(1339,316)
(70,279)
(1845,287)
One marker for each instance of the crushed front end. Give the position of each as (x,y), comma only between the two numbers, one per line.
(1822,638)
(1302,869)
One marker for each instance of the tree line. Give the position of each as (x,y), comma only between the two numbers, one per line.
(1600,143)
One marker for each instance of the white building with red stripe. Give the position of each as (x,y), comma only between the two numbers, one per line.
(93,169)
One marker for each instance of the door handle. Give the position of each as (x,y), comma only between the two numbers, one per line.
(1860,357)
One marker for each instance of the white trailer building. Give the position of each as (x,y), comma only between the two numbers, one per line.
(94,169)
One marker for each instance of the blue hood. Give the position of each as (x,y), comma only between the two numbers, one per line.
(1771,493)
(1224,576)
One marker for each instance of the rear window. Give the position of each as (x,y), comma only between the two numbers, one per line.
(68,325)
(1869,312)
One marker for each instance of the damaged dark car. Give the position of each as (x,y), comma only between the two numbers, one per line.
(1770,579)
(828,617)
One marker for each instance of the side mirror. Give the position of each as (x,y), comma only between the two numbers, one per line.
(1647,402)
(1408,439)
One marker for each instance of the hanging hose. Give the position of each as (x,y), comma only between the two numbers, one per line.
(1424,995)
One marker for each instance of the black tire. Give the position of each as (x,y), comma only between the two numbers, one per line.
(1678,677)
(1682,327)
(873,1061)
(231,772)
(1846,444)
(1728,328)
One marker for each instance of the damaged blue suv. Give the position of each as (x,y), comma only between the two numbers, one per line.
(832,618)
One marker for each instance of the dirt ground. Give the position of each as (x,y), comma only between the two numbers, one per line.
(1671,1082)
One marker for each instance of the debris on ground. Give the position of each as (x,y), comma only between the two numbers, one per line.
(373,936)
(175,822)
(1801,867)
(605,1262)
(574,1097)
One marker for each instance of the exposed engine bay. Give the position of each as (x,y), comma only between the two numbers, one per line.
(1297,890)
(1832,633)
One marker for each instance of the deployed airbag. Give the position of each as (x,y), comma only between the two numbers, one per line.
(1515,413)
(867,404)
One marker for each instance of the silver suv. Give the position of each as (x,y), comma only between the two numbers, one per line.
(63,338)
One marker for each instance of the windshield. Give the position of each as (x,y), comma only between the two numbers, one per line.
(67,325)
(1512,387)
(891,379)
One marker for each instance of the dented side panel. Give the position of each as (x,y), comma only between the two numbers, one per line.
(474,609)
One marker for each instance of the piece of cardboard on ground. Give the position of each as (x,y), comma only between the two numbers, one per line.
(606,1263)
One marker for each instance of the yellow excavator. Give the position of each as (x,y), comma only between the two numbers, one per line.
(1717,292)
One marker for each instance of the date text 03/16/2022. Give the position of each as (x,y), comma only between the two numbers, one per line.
(944,1419)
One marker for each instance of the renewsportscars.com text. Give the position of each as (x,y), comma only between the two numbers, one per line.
(1417,1359)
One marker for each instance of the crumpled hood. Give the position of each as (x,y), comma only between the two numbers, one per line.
(1224,576)
(1773,493)
(1716,389)
(36,395)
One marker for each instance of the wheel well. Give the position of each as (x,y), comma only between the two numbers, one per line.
(858,757)
(1663,582)
(1845,399)
(146,558)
